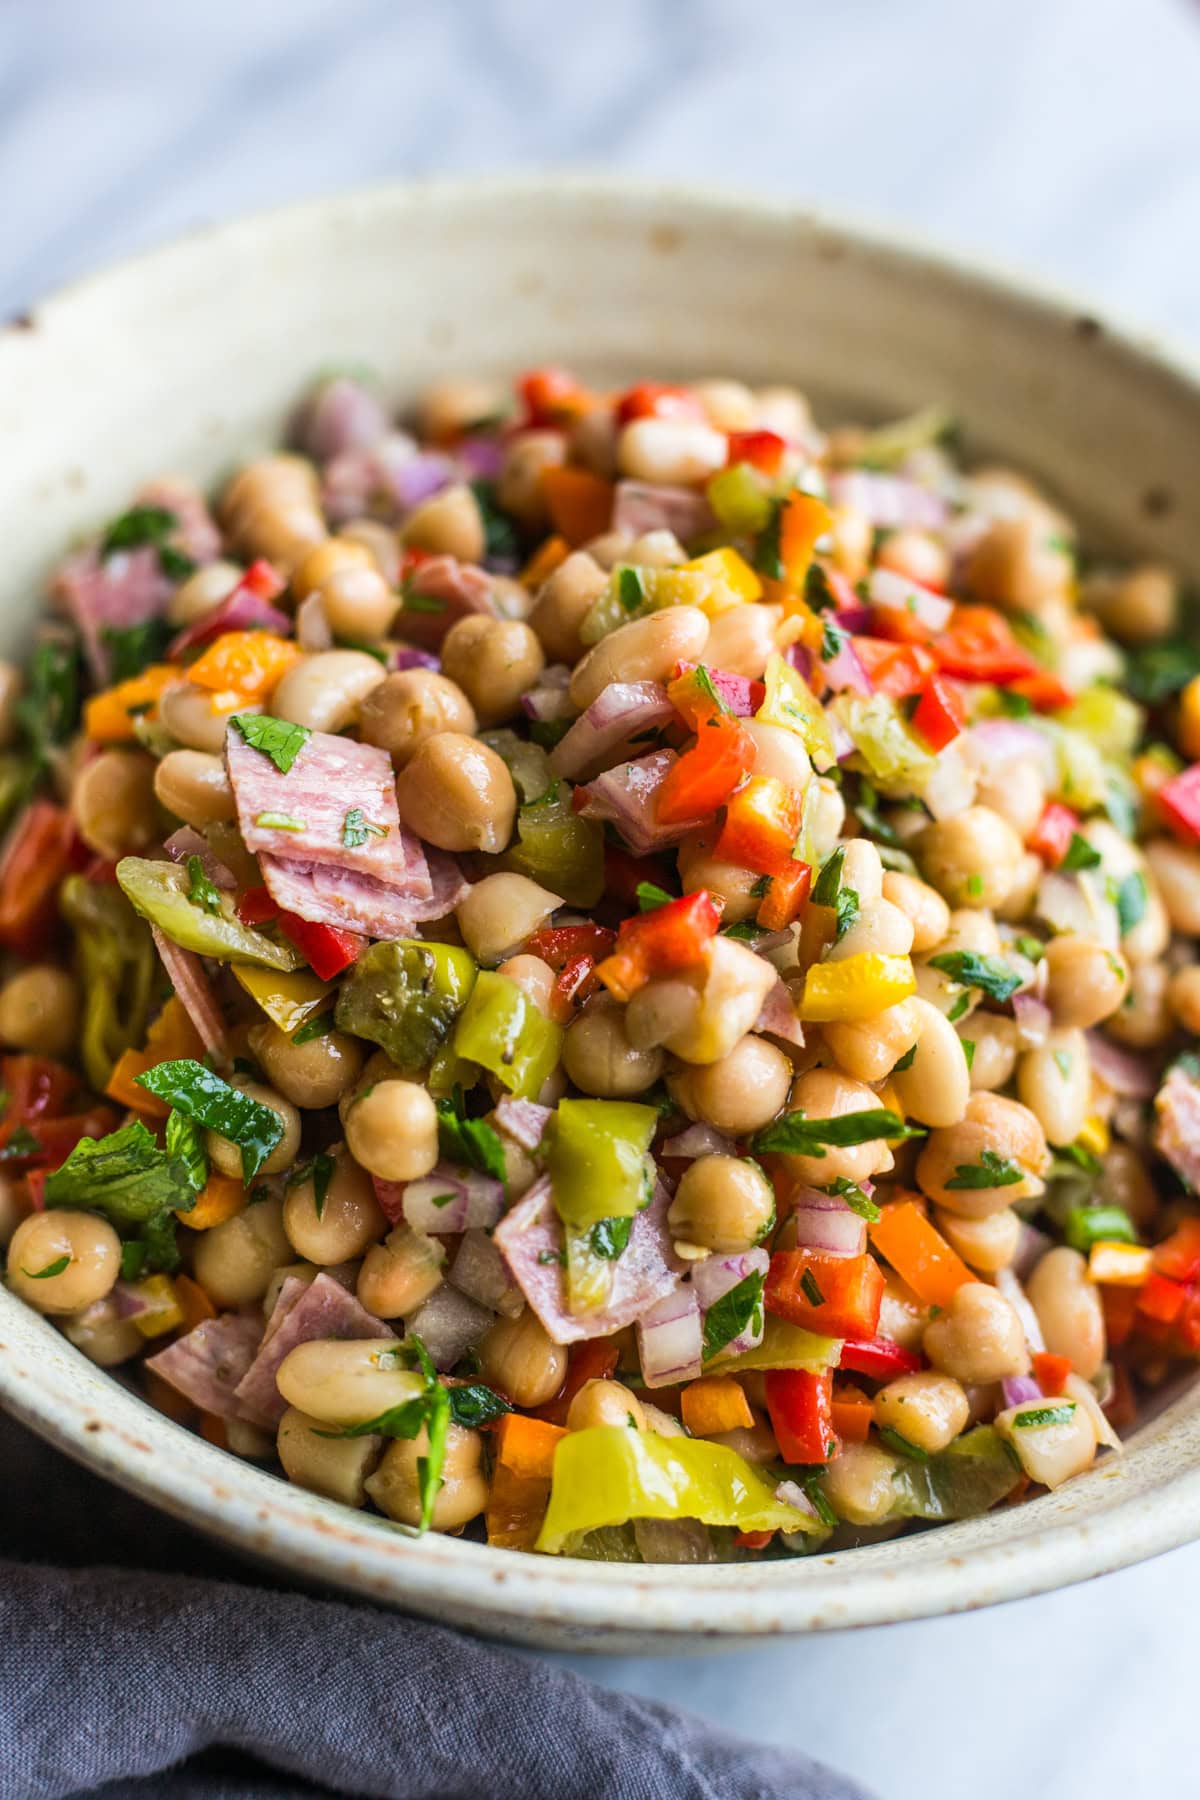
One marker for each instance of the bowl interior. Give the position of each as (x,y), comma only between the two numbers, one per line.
(191,359)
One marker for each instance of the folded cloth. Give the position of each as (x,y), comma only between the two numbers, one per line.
(131,1682)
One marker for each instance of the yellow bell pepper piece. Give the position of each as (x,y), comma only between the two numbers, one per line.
(791,703)
(289,1001)
(856,989)
(163,1312)
(1118,1265)
(1093,1135)
(734,581)
(110,717)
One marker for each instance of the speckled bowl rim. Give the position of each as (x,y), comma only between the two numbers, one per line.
(1121,1512)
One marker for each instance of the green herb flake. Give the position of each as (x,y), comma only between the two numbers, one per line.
(1033,1418)
(21,1142)
(1088,1225)
(202,1095)
(185,1142)
(901,1446)
(990,974)
(761,888)
(1030,947)
(975,886)
(960,1007)
(968,1045)
(709,688)
(318,1027)
(279,821)
(906,1061)
(140,526)
(133,647)
(356,829)
(650,896)
(991,1171)
(1130,899)
(738,1311)
(828,884)
(1080,854)
(474,1404)
(1062,1062)
(797,1135)
(51,1269)
(469,1141)
(855,1198)
(810,1288)
(320,1171)
(201,891)
(817,592)
(422,603)
(499,531)
(546,1257)
(833,640)
(1017,706)
(608,1237)
(276,738)
(845,913)
(768,554)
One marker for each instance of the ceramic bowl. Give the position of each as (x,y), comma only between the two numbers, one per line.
(191,357)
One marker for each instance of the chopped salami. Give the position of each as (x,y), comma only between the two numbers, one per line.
(524,1121)
(640,506)
(124,590)
(325,894)
(778,1017)
(441,590)
(626,797)
(195,534)
(303,1312)
(336,804)
(207,1364)
(531,1241)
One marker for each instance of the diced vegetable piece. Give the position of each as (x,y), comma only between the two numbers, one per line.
(660,942)
(939,715)
(965,1479)
(114,956)
(159,891)
(762,821)
(837,1296)
(221,1197)
(783,1346)
(713,1404)
(706,775)
(111,717)
(171,1036)
(1179,801)
(800,1405)
(728,569)
(501,1029)
(405,996)
(763,450)
(1118,1264)
(289,1001)
(919,1253)
(248,663)
(579,503)
(852,1414)
(856,988)
(790,702)
(527,1446)
(557,848)
(596,1156)
(879,1358)
(41,848)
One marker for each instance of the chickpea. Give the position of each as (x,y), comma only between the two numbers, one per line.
(869,1049)
(853,541)
(916,555)
(901,1315)
(493,661)
(234,1262)
(1018,903)
(398,1275)
(1144,1017)
(1146,941)
(1017,792)
(978,1338)
(323,561)
(191,715)
(995,1055)
(500,912)
(335,1467)
(202,593)
(1055,1083)
(1017,563)
(673,452)
(535,978)
(272,508)
(992,1124)
(350,1219)
(1050,1453)
(526,458)
(449,524)
(742,640)
(784,410)
(755,1443)
(936,1086)
(391,1129)
(646,649)
(563,602)
(985,1244)
(1176,870)
(450,408)
(971,858)
(722,1203)
(1068,1309)
(359,603)
(730,405)
(39,1010)
(520,1359)
(605,1403)
(923,906)
(879,930)
(858,1484)
(226,1156)
(726,881)
(195,787)
(380,541)
(1138,608)
(600,1060)
(1183,996)
(408,707)
(313,1074)
(740,1093)
(701,1017)
(826,1094)
(395,1487)
(102,1335)
(1084,981)
(112,803)
(926,1409)
(779,752)
(458,794)
(326,692)
(92,1253)
(347,1383)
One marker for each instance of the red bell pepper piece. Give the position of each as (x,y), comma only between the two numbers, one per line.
(1179,800)
(752,1540)
(325,948)
(1161,1298)
(786,893)
(1051,836)
(559,945)
(576,981)
(839,1296)
(35,1182)
(593,1360)
(763,450)
(1186,1331)
(552,395)
(979,645)
(1120,1313)
(671,937)
(41,849)
(263,580)
(1050,1371)
(761,824)
(879,1358)
(1178,1256)
(897,670)
(658,400)
(705,776)
(256,907)
(938,715)
(1042,689)
(37,1088)
(801,1408)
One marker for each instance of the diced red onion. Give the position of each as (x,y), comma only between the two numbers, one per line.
(1008,1285)
(624,710)
(313,631)
(697,1141)
(1032,1245)
(788,1493)
(403,656)
(713,1278)
(825,1222)
(640,506)
(127,1301)
(1033,1021)
(547,704)
(897,592)
(420,478)
(800,658)
(242,610)
(673,1541)
(480,1272)
(778,1017)
(186,974)
(476,1200)
(854,619)
(845,673)
(669,1338)
(993,742)
(188,842)
(1019,1390)
(449,1324)
(888,500)
(343,414)
(481,458)
(1132,1076)
(524,1121)
(625,797)
(740,694)
(844,745)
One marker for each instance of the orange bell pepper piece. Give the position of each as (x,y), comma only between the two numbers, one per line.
(171,1038)
(852,1413)
(526,1446)
(223,1196)
(110,716)
(515,1509)
(249,663)
(194,1303)
(546,558)
(919,1254)
(579,503)
(713,1404)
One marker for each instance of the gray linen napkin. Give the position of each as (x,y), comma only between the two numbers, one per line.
(136,1681)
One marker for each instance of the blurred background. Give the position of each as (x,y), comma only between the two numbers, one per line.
(1061,137)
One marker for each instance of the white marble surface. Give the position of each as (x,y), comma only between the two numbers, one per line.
(1062,135)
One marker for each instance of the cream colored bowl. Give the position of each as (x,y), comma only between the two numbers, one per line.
(190,358)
